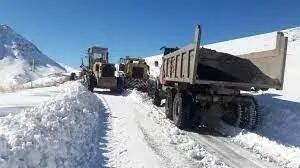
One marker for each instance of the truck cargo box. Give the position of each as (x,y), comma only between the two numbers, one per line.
(197,65)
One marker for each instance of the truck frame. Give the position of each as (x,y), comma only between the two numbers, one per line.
(203,86)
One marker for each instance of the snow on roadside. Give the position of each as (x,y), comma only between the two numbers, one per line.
(178,137)
(61,132)
(47,81)
(263,147)
(269,150)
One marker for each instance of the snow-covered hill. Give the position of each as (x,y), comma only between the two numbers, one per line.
(16,57)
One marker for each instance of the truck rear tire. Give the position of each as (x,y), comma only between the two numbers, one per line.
(245,114)
(250,118)
(182,110)
(169,104)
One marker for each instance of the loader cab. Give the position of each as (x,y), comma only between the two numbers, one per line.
(167,50)
(97,54)
(135,68)
(139,69)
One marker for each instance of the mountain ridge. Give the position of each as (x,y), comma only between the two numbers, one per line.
(16,58)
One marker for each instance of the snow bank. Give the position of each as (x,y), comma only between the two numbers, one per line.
(176,136)
(269,150)
(154,70)
(61,132)
(47,81)
(263,147)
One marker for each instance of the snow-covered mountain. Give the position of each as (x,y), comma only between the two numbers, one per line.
(16,59)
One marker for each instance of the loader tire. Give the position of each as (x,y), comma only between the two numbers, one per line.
(156,98)
(182,110)
(169,104)
(120,85)
(91,82)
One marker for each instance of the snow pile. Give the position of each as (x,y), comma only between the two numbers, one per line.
(61,132)
(269,150)
(47,81)
(176,136)
(154,70)
(16,57)
(51,80)
(263,147)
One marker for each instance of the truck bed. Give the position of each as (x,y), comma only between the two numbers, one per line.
(197,65)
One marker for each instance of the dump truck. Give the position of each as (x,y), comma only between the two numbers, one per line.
(100,73)
(204,86)
(135,71)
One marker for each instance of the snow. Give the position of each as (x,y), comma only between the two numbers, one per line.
(51,80)
(139,135)
(15,102)
(62,132)
(154,70)
(47,81)
(16,57)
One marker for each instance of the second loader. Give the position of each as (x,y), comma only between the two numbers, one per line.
(136,72)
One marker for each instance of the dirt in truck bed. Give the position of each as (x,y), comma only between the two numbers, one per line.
(218,66)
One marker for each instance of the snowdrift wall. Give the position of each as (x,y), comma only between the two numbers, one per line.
(62,132)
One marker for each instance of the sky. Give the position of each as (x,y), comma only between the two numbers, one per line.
(63,29)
